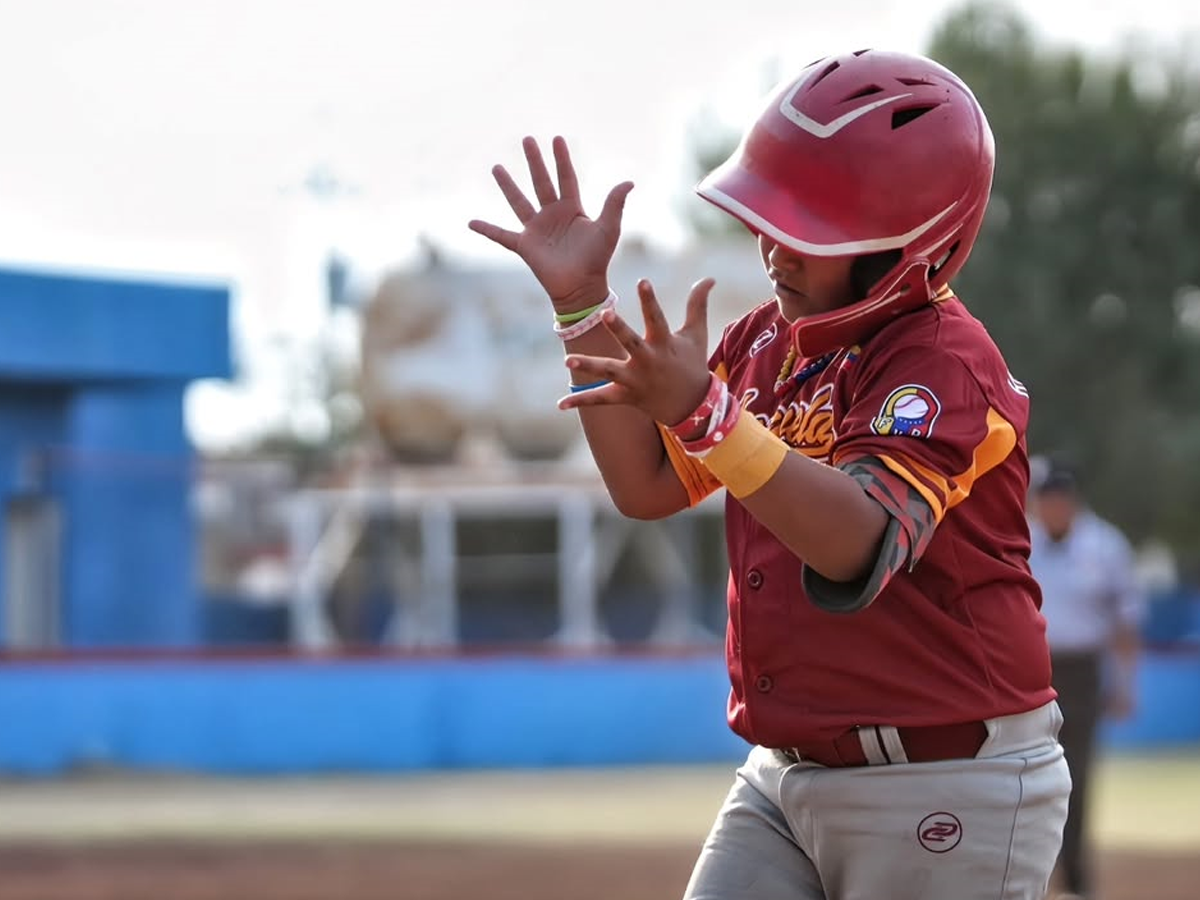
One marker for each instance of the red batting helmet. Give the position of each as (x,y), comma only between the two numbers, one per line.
(860,154)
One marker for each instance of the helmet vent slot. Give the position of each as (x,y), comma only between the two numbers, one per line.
(913,82)
(860,52)
(902,117)
(864,92)
(829,69)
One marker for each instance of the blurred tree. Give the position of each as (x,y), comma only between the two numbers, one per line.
(1087,271)
(712,141)
(318,425)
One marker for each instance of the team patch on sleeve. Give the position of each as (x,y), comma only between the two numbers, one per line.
(910,410)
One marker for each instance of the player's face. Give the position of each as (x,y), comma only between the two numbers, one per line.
(1056,510)
(806,285)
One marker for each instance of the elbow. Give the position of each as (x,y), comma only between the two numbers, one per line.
(854,569)
(642,511)
(856,559)
(648,499)
(642,506)
(842,573)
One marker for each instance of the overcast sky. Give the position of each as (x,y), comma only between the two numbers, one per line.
(168,136)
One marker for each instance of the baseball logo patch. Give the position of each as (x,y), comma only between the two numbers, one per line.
(940,832)
(910,411)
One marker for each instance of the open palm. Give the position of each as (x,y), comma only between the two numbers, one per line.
(566,251)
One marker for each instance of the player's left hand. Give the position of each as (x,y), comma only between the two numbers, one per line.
(665,374)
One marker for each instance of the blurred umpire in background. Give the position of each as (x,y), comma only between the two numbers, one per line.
(1093,605)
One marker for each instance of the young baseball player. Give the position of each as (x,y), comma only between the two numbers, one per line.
(885,647)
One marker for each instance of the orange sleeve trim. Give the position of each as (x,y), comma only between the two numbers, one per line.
(696,479)
(995,447)
(905,470)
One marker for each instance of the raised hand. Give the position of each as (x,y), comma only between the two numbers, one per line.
(665,373)
(566,251)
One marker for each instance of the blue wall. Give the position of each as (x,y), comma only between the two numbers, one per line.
(373,715)
(32,417)
(124,479)
(92,376)
(74,328)
(1167,706)
(386,715)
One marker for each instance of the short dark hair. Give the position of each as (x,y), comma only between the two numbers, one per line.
(1059,478)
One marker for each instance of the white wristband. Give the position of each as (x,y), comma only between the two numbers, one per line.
(583,326)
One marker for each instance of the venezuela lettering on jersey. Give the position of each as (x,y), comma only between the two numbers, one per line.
(807,426)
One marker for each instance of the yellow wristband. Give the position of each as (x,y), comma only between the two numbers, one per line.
(747,458)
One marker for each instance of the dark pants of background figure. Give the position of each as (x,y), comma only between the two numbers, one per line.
(1077,678)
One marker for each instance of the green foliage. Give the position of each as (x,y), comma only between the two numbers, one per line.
(712,143)
(1087,271)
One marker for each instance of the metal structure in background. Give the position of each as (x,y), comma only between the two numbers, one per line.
(326,525)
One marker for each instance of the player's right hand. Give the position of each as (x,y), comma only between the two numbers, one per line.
(566,251)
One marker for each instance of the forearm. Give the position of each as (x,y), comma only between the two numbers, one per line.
(626,445)
(822,515)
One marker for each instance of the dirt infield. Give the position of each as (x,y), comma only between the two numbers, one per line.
(413,871)
(616,834)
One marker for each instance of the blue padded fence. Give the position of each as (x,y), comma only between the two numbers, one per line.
(386,714)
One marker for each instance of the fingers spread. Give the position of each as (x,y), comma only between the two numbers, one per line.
(568,183)
(657,327)
(610,395)
(594,368)
(503,237)
(513,194)
(543,187)
(696,320)
(633,342)
(614,207)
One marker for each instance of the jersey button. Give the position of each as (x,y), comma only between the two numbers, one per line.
(754,578)
(764,684)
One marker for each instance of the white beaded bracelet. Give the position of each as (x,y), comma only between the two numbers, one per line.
(583,326)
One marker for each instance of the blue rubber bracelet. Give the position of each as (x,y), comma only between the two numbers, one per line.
(580,388)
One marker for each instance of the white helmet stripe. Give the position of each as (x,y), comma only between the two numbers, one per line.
(822,130)
(848,248)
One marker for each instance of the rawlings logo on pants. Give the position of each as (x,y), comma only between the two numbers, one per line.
(939,832)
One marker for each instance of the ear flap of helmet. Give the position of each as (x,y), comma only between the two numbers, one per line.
(908,289)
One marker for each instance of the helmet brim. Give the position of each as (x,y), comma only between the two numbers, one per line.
(773,210)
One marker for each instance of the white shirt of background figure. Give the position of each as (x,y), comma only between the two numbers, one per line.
(1092,597)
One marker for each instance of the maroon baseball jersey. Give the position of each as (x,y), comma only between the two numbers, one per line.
(928,418)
